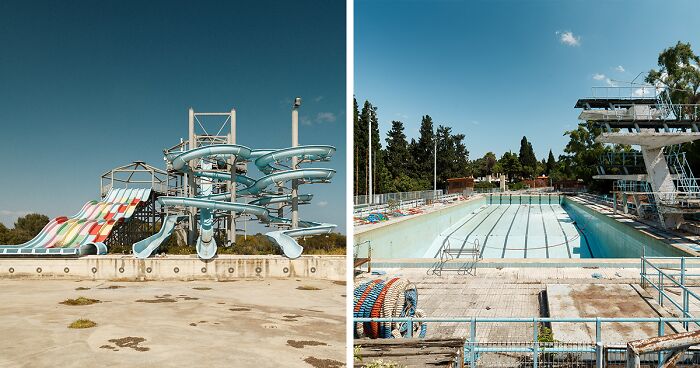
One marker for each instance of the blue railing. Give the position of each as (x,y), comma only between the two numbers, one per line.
(676,279)
(473,348)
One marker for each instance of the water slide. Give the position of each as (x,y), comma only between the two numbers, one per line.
(146,247)
(256,191)
(85,232)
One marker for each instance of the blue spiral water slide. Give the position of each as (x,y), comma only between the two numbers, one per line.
(209,203)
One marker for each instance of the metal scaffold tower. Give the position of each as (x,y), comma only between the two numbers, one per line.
(658,179)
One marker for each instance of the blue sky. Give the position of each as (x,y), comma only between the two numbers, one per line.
(86,86)
(498,70)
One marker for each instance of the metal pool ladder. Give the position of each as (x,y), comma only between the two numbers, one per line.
(469,252)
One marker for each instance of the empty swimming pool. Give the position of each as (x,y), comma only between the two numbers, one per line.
(519,230)
(512,226)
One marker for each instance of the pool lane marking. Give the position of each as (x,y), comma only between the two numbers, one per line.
(566,238)
(527,228)
(483,247)
(546,241)
(474,229)
(505,242)
(485,207)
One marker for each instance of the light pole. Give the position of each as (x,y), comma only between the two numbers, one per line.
(295,182)
(434,166)
(232,184)
(370,158)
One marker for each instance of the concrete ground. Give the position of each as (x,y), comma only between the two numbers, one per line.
(602,300)
(244,323)
(515,292)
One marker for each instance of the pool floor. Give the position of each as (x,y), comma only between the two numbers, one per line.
(520,231)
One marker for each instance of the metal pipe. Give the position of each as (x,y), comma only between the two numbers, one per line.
(295,182)
(191,185)
(232,183)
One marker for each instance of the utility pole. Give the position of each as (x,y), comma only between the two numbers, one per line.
(370,157)
(434,167)
(295,182)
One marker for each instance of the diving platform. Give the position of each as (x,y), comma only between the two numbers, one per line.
(604,102)
(648,138)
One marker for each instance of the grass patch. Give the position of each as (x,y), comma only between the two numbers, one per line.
(545,334)
(201,288)
(80,301)
(307,287)
(81,288)
(82,323)
(158,300)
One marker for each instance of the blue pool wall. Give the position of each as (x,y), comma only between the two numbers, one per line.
(609,238)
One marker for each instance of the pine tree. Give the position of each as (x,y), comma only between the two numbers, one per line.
(551,163)
(527,158)
(424,149)
(361,144)
(398,158)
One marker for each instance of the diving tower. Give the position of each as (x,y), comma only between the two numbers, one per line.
(659,176)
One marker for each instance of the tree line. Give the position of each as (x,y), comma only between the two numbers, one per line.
(25,228)
(402,165)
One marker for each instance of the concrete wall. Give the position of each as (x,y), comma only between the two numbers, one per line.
(182,268)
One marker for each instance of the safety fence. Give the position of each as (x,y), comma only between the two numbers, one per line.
(398,196)
(400,204)
(543,349)
(670,279)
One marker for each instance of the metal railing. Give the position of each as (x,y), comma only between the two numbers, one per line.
(538,353)
(625,92)
(400,205)
(398,196)
(660,280)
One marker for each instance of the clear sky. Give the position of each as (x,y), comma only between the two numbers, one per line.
(498,70)
(86,86)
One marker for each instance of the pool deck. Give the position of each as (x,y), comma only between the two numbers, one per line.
(358,229)
(684,241)
(518,292)
(243,323)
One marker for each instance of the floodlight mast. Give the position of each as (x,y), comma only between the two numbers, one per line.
(231,233)
(370,158)
(295,143)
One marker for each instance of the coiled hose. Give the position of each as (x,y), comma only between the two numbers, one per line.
(396,297)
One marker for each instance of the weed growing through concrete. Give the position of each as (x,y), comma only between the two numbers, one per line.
(82,323)
(80,301)
(307,287)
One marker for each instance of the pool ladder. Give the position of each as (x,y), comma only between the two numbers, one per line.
(469,252)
